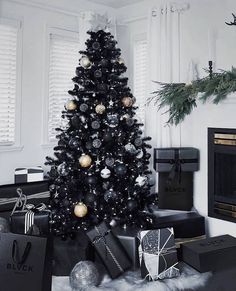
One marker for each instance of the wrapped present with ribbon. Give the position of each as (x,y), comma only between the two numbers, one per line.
(109,249)
(35,192)
(157,254)
(30,219)
(176,160)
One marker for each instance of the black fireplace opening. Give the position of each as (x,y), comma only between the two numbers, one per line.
(222,173)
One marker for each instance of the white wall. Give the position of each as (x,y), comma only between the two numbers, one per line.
(35,19)
(203,18)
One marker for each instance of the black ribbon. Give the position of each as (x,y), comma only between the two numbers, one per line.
(101,238)
(176,165)
(15,253)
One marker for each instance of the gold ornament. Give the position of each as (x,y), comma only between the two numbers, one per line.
(85,161)
(71,105)
(85,62)
(80,209)
(121,61)
(127,101)
(100,109)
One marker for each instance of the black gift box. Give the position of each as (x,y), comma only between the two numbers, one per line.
(36,192)
(67,253)
(177,192)
(212,254)
(185,159)
(41,220)
(185,224)
(109,249)
(158,255)
(25,262)
(129,239)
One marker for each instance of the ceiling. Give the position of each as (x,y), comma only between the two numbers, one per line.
(115,3)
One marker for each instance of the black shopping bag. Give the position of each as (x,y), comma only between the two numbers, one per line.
(25,263)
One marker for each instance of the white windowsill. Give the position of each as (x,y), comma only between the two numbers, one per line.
(11,148)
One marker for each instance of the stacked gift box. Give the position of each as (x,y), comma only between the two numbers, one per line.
(175,167)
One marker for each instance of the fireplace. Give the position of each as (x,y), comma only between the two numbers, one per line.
(222,173)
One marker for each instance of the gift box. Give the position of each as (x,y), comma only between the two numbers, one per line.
(22,221)
(157,253)
(212,254)
(129,239)
(177,192)
(24,175)
(184,159)
(186,224)
(109,249)
(33,193)
(67,253)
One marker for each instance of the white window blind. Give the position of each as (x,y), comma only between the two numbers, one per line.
(62,63)
(8,56)
(140,76)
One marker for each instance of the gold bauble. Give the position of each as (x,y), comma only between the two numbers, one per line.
(71,105)
(85,161)
(100,109)
(121,61)
(80,209)
(127,101)
(85,62)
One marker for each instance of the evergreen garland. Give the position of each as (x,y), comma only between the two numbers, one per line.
(181,98)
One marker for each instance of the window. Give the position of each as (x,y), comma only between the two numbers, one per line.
(8,76)
(140,76)
(63,59)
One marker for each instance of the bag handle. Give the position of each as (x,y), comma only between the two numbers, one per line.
(15,253)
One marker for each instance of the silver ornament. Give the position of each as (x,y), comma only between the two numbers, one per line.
(84,276)
(110,195)
(97,143)
(85,62)
(141,180)
(61,169)
(105,173)
(140,154)
(130,148)
(112,120)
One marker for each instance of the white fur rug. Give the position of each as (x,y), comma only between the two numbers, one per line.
(189,280)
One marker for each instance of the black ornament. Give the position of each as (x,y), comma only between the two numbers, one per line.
(109,161)
(138,142)
(97,143)
(75,121)
(130,121)
(83,107)
(89,198)
(96,45)
(132,204)
(107,137)
(120,169)
(89,145)
(95,124)
(110,195)
(102,88)
(74,143)
(91,179)
(104,63)
(97,74)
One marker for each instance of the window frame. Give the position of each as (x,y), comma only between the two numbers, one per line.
(16,144)
(64,33)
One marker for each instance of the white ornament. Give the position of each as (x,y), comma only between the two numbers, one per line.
(141,180)
(85,62)
(140,155)
(105,173)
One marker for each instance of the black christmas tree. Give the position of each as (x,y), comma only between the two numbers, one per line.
(100,170)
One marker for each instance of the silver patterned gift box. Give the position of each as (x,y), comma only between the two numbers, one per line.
(157,254)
